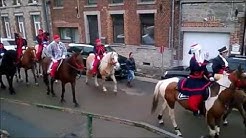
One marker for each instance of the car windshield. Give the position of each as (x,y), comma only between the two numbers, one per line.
(8,42)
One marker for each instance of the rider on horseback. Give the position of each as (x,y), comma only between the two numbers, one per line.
(40,39)
(99,51)
(57,51)
(220,65)
(196,83)
(20,42)
(2,52)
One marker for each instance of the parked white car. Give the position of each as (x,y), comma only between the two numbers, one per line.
(8,43)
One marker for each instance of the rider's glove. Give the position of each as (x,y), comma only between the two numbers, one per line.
(211,78)
(1,54)
(53,60)
(63,56)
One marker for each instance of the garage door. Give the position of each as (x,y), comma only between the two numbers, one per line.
(210,42)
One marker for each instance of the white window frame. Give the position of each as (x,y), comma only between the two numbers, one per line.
(7,29)
(37,24)
(3,3)
(21,26)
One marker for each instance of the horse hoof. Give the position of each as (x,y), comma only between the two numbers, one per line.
(161,122)
(86,83)
(36,84)
(225,123)
(27,84)
(48,93)
(76,105)
(115,93)
(40,75)
(56,81)
(63,101)
(12,93)
(53,95)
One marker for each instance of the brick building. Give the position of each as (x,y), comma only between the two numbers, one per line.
(25,16)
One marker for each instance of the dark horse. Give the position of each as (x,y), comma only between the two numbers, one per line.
(67,72)
(8,68)
(221,93)
(28,61)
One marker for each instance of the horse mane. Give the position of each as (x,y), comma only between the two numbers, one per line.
(105,60)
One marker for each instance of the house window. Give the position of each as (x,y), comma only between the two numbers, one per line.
(17,2)
(147,29)
(116,1)
(3,3)
(32,1)
(58,3)
(118,28)
(36,24)
(6,27)
(92,2)
(69,34)
(20,25)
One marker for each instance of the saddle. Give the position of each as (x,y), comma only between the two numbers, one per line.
(189,87)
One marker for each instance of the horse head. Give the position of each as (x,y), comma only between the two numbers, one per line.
(31,53)
(76,61)
(113,60)
(238,78)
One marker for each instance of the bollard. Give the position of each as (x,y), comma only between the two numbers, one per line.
(89,125)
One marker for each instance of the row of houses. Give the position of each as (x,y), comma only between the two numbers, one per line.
(141,26)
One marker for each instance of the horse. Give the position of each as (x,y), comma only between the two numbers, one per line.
(107,67)
(8,68)
(28,61)
(39,62)
(220,95)
(66,73)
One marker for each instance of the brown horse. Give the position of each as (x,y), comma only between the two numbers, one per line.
(67,72)
(28,61)
(107,68)
(221,93)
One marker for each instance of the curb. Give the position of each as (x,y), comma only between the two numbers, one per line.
(147,79)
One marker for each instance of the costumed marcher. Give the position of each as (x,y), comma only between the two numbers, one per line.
(220,64)
(45,43)
(131,68)
(40,39)
(196,84)
(2,52)
(20,42)
(99,51)
(57,51)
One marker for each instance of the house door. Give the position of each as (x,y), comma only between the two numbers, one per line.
(93,28)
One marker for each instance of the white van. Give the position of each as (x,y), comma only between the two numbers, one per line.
(8,43)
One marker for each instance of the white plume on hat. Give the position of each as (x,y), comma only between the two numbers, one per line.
(195,49)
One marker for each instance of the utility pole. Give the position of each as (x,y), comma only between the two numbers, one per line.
(244,35)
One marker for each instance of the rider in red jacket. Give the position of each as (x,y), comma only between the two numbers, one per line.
(40,38)
(20,42)
(99,50)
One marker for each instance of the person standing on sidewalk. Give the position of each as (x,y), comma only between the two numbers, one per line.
(131,67)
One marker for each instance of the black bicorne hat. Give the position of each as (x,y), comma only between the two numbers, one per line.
(223,49)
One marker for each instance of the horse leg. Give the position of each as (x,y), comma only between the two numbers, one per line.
(228,111)
(87,76)
(242,112)
(19,75)
(27,82)
(74,97)
(103,82)
(96,82)
(211,125)
(217,127)
(52,87)
(46,81)
(2,84)
(172,117)
(115,83)
(39,69)
(35,78)
(63,91)
(10,81)
(164,105)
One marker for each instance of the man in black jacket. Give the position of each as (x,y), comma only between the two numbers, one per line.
(131,67)
(220,65)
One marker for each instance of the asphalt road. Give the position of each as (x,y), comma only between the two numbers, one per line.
(130,103)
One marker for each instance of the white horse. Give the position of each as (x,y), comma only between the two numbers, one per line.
(43,55)
(107,67)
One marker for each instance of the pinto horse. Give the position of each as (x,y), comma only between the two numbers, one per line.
(8,68)
(220,95)
(39,62)
(28,61)
(107,67)
(66,73)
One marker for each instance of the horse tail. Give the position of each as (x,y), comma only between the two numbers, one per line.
(156,96)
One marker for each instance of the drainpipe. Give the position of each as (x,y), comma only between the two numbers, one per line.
(180,26)
(244,35)
(172,30)
(45,9)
